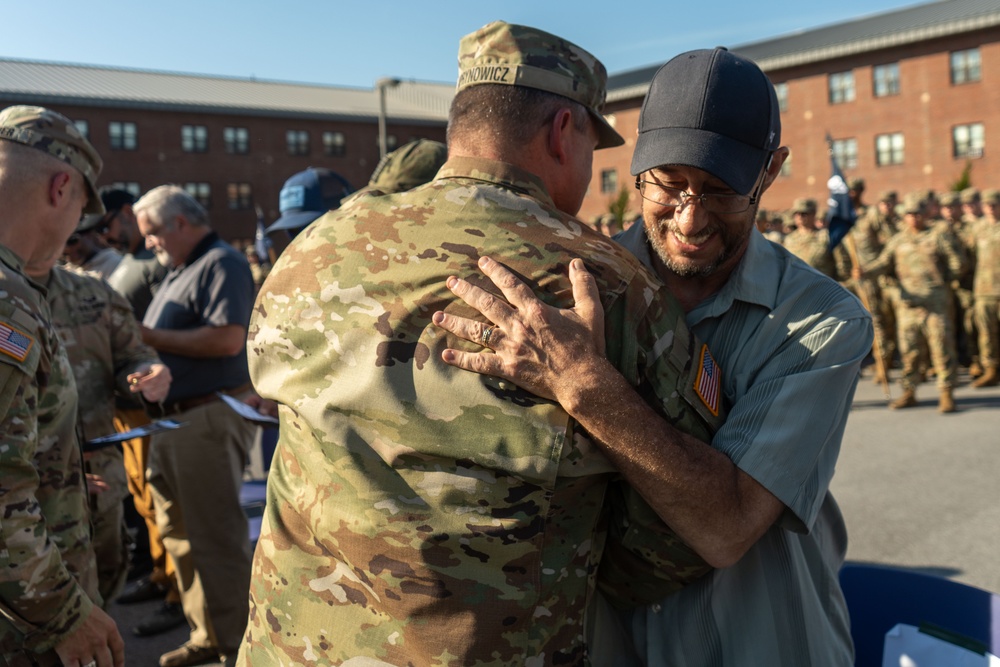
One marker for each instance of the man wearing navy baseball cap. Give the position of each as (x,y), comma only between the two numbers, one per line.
(306,196)
(754,502)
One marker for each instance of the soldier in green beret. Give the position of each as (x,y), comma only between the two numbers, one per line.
(48,573)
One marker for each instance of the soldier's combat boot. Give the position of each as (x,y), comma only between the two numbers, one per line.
(989,378)
(907,400)
(975,370)
(946,403)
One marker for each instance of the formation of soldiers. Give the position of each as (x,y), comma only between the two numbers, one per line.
(927,267)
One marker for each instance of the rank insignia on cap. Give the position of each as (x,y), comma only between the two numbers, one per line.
(707,383)
(15,343)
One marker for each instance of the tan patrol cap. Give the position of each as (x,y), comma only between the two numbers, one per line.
(990,196)
(949,199)
(516,55)
(913,202)
(408,166)
(53,133)
(969,195)
(804,206)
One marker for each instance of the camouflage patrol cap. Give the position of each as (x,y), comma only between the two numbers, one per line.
(804,206)
(969,195)
(856,184)
(949,198)
(888,196)
(990,196)
(408,166)
(56,135)
(913,202)
(515,55)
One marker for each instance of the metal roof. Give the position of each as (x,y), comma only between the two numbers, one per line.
(861,35)
(59,83)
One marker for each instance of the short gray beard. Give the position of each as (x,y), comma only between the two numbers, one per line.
(729,249)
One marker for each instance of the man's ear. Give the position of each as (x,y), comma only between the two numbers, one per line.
(60,188)
(560,134)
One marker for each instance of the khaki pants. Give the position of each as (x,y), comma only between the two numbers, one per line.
(988,322)
(196,473)
(136,459)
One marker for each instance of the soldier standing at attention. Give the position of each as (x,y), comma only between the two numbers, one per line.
(925,264)
(418,514)
(810,242)
(986,288)
(48,575)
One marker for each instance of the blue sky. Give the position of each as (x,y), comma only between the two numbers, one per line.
(355,43)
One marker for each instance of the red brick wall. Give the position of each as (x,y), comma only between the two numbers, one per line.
(159,158)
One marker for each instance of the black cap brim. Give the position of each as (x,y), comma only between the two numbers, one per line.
(735,163)
(293,221)
(607,136)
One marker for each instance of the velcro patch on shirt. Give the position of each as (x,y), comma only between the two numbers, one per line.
(15,343)
(708,382)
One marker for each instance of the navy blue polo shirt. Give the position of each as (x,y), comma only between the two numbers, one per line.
(213,287)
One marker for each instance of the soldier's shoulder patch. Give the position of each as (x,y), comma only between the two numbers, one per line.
(708,381)
(15,342)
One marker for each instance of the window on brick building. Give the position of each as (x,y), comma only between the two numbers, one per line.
(885,79)
(965,66)
(968,140)
(841,87)
(239,196)
(298,142)
(845,151)
(334,144)
(889,149)
(84,128)
(391,141)
(123,136)
(609,181)
(194,138)
(130,187)
(200,191)
(237,140)
(781,89)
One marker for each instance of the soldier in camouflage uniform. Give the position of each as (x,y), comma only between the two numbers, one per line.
(810,242)
(420,515)
(954,229)
(106,352)
(972,211)
(870,234)
(925,263)
(48,576)
(986,287)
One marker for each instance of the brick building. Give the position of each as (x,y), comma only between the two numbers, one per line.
(910,97)
(231,142)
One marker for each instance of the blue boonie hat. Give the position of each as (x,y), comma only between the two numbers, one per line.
(712,110)
(308,195)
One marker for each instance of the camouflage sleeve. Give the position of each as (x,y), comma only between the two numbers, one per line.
(644,559)
(884,263)
(953,256)
(127,349)
(40,601)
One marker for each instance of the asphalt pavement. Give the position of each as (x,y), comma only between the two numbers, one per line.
(918,490)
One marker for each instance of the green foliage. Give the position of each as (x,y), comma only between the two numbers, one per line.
(618,206)
(965,180)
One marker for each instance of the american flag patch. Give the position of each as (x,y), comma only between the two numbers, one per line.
(14,343)
(706,385)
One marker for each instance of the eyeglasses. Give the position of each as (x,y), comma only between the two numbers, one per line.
(712,202)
